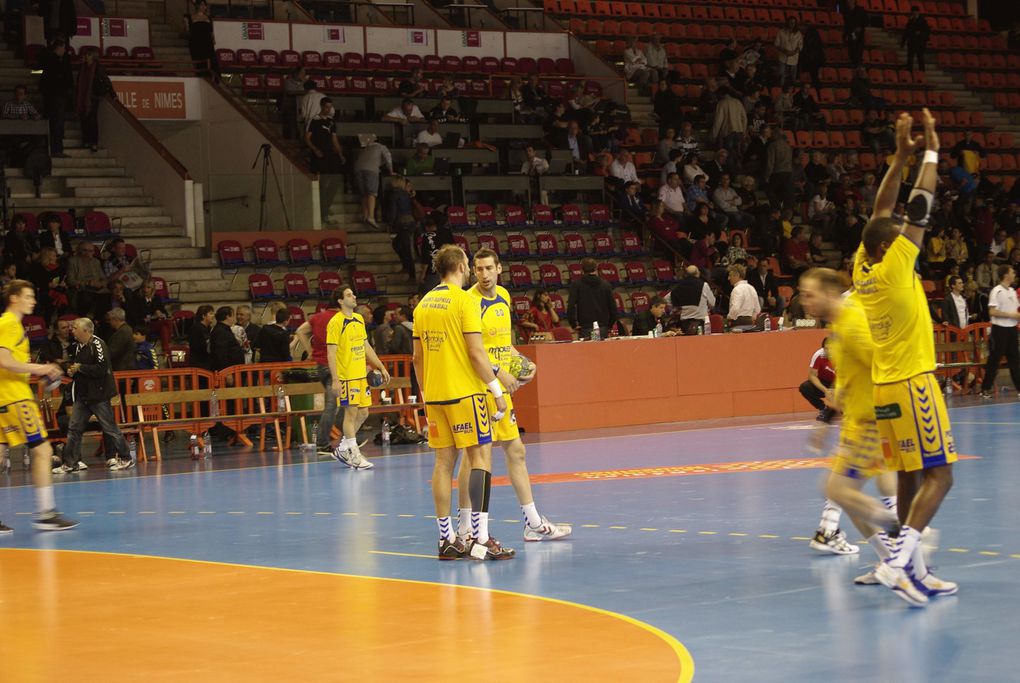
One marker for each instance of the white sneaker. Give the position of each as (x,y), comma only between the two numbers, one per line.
(82,465)
(936,587)
(342,454)
(834,543)
(122,465)
(896,578)
(868,579)
(358,461)
(111,462)
(546,531)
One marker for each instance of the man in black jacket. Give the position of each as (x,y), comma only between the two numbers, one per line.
(915,37)
(223,345)
(764,282)
(591,301)
(273,342)
(198,337)
(56,85)
(92,389)
(855,22)
(692,300)
(121,342)
(648,321)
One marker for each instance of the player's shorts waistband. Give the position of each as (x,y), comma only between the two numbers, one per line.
(901,381)
(451,401)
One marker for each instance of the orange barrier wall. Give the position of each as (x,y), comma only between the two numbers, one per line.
(587,385)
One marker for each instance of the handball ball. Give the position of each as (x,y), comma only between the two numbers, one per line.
(375,378)
(520,367)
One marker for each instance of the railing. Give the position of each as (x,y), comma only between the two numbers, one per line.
(525,14)
(149,138)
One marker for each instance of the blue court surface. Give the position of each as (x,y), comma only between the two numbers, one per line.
(716,556)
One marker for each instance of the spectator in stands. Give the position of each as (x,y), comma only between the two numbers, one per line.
(751,85)
(667,228)
(796,250)
(861,95)
(413,86)
(224,349)
(692,169)
(422,161)
(736,253)
(729,127)
(673,165)
(694,299)
(202,41)
(935,249)
(744,305)
(445,113)
(555,126)
(821,210)
(629,201)
(309,106)
(580,146)
(915,38)
(672,197)
(955,310)
(51,234)
(433,238)
(85,280)
(20,108)
(855,24)
(719,165)
(93,85)
(815,251)
(273,341)
(704,253)
(46,275)
(243,319)
(533,165)
(809,112)
(59,347)
(93,388)
(145,353)
(403,327)
(121,341)
(402,223)
(198,337)
(729,203)
(985,274)
(1001,245)
(327,156)
(56,85)
(9,273)
(591,301)
(667,144)
(966,183)
(287,103)
(405,113)
(956,246)
(877,132)
(764,283)
(372,157)
(655,57)
(430,136)
(522,112)
(543,313)
(448,89)
(968,152)
(789,42)
(666,107)
(535,97)
(786,111)
(686,141)
(812,55)
(581,106)
(20,245)
(651,320)
(636,67)
(622,169)
(752,54)
(697,193)
(115,260)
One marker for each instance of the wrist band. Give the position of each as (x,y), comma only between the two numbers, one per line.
(930,157)
(495,388)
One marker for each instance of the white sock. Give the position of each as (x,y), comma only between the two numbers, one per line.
(879,542)
(480,526)
(889,502)
(531,515)
(830,518)
(445,529)
(464,521)
(917,559)
(44,499)
(908,540)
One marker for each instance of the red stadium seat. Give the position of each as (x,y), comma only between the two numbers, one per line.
(515,216)
(518,246)
(520,276)
(521,305)
(457,217)
(260,287)
(545,245)
(269,58)
(485,216)
(550,275)
(295,286)
(331,60)
(364,283)
(663,271)
(488,242)
(299,252)
(328,283)
(231,254)
(575,271)
(333,250)
(609,272)
(603,243)
(267,253)
(639,302)
(636,273)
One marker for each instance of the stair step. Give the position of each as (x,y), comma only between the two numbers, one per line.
(97,182)
(168,245)
(90,161)
(141,228)
(108,192)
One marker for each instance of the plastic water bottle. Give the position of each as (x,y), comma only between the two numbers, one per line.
(133,448)
(658,330)
(708,324)
(595,334)
(781,321)
(206,446)
(214,406)
(701,330)
(949,387)
(768,323)
(281,401)
(385,432)
(315,433)
(196,453)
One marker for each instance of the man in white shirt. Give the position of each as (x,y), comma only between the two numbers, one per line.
(430,136)
(635,66)
(672,196)
(407,112)
(954,307)
(744,304)
(655,55)
(309,106)
(686,140)
(728,201)
(1003,310)
(623,168)
(533,164)
(789,42)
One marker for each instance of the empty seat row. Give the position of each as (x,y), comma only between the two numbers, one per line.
(550,276)
(267,253)
(975,61)
(372,61)
(547,246)
(598,216)
(719,12)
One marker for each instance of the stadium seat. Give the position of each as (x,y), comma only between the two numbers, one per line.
(334,251)
(488,242)
(461,242)
(163,289)
(663,271)
(260,287)
(485,216)
(269,58)
(639,302)
(365,284)
(518,246)
(609,272)
(621,310)
(299,252)
(247,58)
(636,273)
(520,276)
(226,59)
(311,59)
(575,271)
(571,215)
(545,245)
(328,282)
(521,305)
(231,254)
(603,243)
(550,275)
(267,253)
(97,225)
(35,328)
(542,215)
(295,287)
(573,244)
(515,217)
(297,318)
(332,60)
(457,217)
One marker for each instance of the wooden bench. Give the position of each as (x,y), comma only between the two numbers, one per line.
(957,355)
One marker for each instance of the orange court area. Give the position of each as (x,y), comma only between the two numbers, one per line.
(629,382)
(84,616)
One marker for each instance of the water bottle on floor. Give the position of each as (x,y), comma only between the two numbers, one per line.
(595,334)
(206,446)
(133,448)
(281,401)
(193,448)
(385,433)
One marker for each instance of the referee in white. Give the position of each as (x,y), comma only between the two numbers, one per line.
(1003,309)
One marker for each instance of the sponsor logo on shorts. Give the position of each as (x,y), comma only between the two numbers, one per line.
(907,446)
(463,428)
(888,412)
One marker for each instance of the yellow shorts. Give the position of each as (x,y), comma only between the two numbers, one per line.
(354,392)
(21,423)
(506,429)
(914,424)
(858,454)
(461,424)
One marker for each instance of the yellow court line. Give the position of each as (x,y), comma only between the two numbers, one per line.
(510,521)
(116,512)
(648,528)
(678,531)
(295,513)
(401,515)
(799,538)
(617,527)
(708,533)
(958,550)
(265,513)
(989,553)
(350,514)
(323,513)
(681,652)
(378,514)
(146,512)
(590,526)
(736,533)
(767,536)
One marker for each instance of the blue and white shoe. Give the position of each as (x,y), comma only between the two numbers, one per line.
(931,585)
(896,578)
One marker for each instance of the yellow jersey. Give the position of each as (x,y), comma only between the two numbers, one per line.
(349,336)
(897,309)
(441,319)
(497,326)
(851,351)
(14,385)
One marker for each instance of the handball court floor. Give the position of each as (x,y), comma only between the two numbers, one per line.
(689,558)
